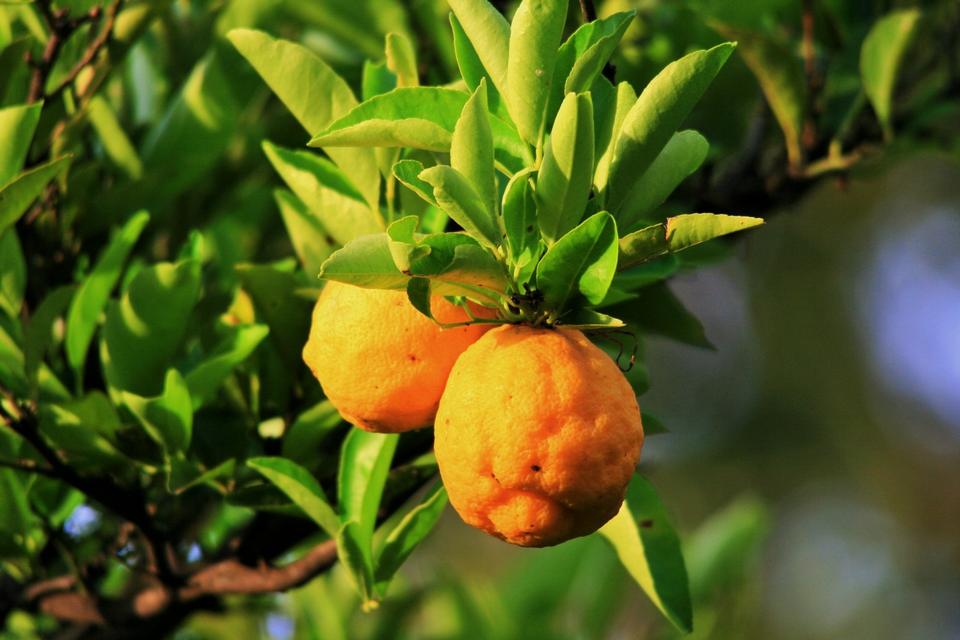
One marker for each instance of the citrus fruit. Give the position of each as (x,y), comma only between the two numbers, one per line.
(537,435)
(380,362)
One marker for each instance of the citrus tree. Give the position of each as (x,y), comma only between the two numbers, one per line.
(482,213)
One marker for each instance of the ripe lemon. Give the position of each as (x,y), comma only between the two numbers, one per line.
(380,362)
(537,435)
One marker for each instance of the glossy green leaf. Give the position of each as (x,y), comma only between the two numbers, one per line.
(489,34)
(39,332)
(116,143)
(457,265)
(583,262)
(403,244)
(402,59)
(364,464)
(301,487)
(314,94)
(13,273)
(881,57)
(85,430)
(144,329)
(679,233)
(520,225)
(326,190)
(535,35)
(204,379)
(376,79)
(779,71)
(409,532)
(365,262)
(683,155)
(17,125)
(455,194)
(17,194)
(582,57)
(408,172)
(94,291)
(659,111)
(471,150)
(355,554)
(310,240)
(649,548)
(626,97)
(471,68)
(167,418)
(566,175)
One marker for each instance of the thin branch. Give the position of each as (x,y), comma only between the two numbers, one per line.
(92,50)
(28,466)
(588,10)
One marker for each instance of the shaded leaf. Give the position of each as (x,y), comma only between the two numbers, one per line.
(310,240)
(655,309)
(167,418)
(13,273)
(521,226)
(409,532)
(116,143)
(39,332)
(301,487)
(204,379)
(17,194)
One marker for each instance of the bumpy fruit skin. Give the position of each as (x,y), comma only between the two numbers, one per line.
(380,362)
(537,435)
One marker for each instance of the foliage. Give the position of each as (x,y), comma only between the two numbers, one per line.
(153,303)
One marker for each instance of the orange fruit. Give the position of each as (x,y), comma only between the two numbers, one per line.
(380,362)
(537,435)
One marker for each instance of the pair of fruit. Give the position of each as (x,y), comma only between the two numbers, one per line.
(537,431)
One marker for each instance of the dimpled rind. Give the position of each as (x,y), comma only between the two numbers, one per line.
(537,435)
(380,362)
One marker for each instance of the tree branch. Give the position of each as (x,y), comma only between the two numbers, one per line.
(93,49)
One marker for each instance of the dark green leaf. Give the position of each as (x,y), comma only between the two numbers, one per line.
(355,554)
(167,418)
(521,226)
(409,532)
(625,99)
(273,288)
(655,309)
(17,124)
(13,273)
(17,194)
(205,378)
(39,332)
(364,464)
(116,143)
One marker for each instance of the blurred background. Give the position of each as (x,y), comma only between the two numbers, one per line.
(812,462)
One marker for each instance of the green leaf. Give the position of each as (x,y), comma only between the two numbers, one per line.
(584,54)
(588,319)
(167,418)
(521,226)
(881,56)
(356,555)
(471,150)
(409,532)
(535,35)
(301,487)
(408,172)
(204,379)
(17,194)
(458,266)
(626,98)
(468,61)
(310,240)
(273,288)
(327,192)
(184,474)
(652,425)
(779,71)
(85,430)
(17,125)
(583,261)
(303,442)
(402,59)
(649,548)
(314,94)
(566,175)
(659,111)
(116,143)
(679,233)
(13,273)
(489,34)
(365,262)
(455,195)
(39,332)
(364,464)
(144,330)
(403,244)
(655,309)
(683,155)
(420,296)
(376,79)
(94,291)
(416,117)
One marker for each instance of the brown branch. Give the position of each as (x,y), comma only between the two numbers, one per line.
(588,10)
(93,49)
(28,466)
(56,597)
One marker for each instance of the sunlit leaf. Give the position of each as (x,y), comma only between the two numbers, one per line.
(881,56)
(301,487)
(583,262)
(679,233)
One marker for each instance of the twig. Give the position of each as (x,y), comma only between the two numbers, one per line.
(28,466)
(92,50)
(810,72)
(588,11)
